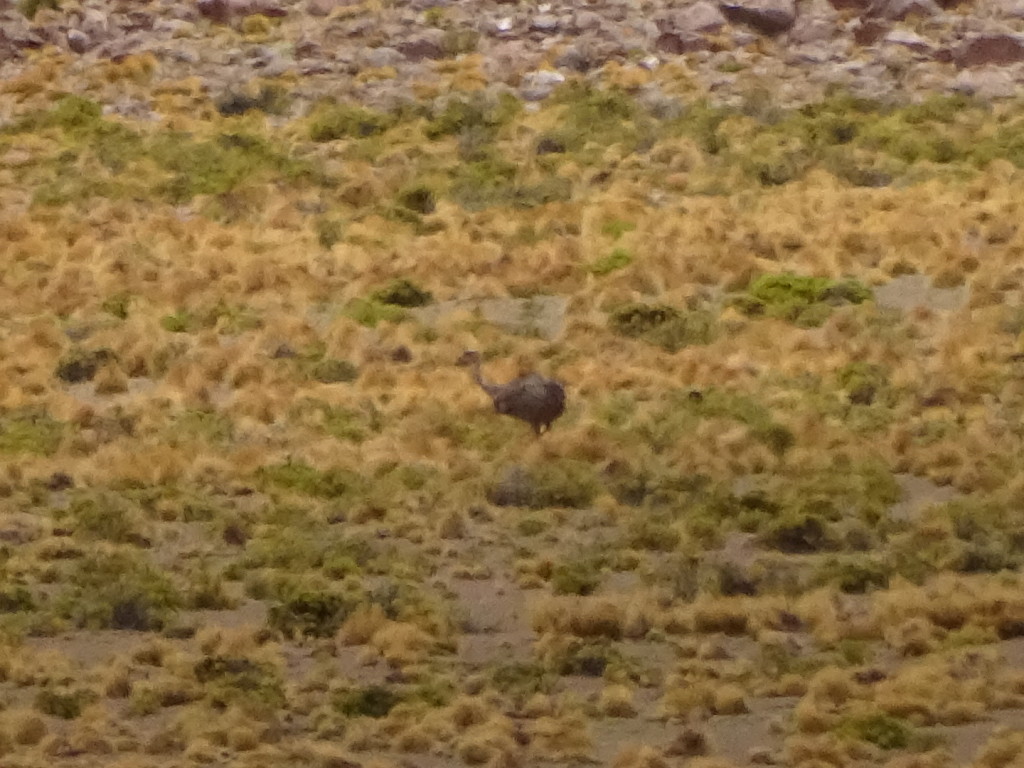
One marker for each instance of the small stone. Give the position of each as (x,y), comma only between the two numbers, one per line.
(545,22)
(78,41)
(537,86)
(586,21)
(382,57)
(218,11)
(900,10)
(425,46)
(811,30)
(908,39)
(700,18)
(985,83)
(869,31)
(768,17)
(678,44)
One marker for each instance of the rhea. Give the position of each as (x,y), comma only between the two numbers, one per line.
(533,398)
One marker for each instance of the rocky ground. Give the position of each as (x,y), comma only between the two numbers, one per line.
(796,49)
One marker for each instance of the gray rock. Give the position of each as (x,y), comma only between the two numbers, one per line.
(78,41)
(986,83)
(544,22)
(700,18)
(1013,9)
(324,7)
(678,43)
(908,39)
(768,17)
(900,10)
(537,86)
(383,56)
(427,45)
(812,30)
(585,21)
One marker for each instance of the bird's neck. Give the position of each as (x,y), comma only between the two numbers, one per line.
(478,377)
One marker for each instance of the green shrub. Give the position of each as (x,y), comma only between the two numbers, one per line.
(650,534)
(419,199)
(233,680)
(797,533)
(565,483)
(371,313)
(581,577)
(663,326)
(616,228)
(220,165)
(302,478)
(402,293)
(272,99)
(330,121)
(460,115)
(210,426)
(371,701)
(16,599)
(31,7)
(862,381)
(181,321)
(102,518)
(617,259)
(30,431)
(800,299)
(310,614)
(855,576)
(81,365)
(457,41)
(880,729)
(329,232)
(587,658)
(333,371)
(117,305)
(523,679)
(118,590)
(66,704)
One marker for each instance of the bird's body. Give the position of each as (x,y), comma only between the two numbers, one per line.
(533,398)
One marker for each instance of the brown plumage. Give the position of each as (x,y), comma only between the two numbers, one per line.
(533,398)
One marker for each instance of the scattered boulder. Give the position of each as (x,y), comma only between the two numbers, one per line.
(428,45)
(768,17)
(909,40)
(697,19)
(78,41)
(852,5)
(999,49)
(869,31)
(218,11)
(677,44)
(986,83)
(900,10)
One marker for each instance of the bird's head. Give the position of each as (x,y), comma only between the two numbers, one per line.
(469,357)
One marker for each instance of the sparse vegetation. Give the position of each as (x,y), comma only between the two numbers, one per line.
(251,511)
